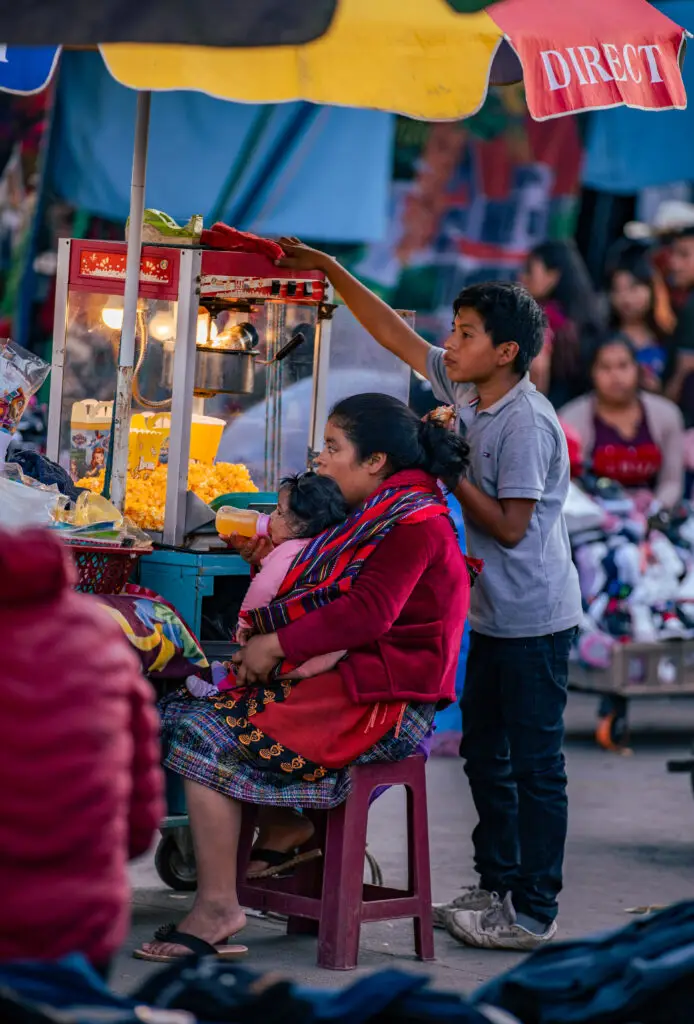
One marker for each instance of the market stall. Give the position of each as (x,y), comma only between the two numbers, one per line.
(636,568)
(433,63)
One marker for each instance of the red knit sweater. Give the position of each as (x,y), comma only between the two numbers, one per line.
(80,783)
(402,621)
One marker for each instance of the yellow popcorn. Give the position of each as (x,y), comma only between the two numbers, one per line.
(146,491)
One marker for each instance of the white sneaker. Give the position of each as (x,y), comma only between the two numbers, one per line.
(471,898)
(496,928)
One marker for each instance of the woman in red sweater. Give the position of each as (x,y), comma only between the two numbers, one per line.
(391,587)
(80,783)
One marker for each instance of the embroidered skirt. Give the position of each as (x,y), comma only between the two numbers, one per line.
(236,758)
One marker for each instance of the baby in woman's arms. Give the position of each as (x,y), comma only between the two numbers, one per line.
(306,506)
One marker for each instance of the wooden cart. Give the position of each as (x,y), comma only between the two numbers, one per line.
(637,670)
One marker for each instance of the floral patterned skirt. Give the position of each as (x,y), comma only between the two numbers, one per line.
(234,756)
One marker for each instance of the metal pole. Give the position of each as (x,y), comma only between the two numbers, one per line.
(182,397)
(321,367)
(55,401)
(126,353)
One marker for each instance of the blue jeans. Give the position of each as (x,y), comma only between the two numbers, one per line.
(513,707)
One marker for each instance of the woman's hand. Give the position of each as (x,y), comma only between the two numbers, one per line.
(257,659)
(301,257)
(252,550)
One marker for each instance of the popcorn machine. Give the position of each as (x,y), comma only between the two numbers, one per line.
(209,323)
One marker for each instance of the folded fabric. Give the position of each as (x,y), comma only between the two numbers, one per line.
(221,236)
(643,972)
(215,991)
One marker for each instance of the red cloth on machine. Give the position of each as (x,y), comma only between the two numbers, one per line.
(80,783)
(221,236)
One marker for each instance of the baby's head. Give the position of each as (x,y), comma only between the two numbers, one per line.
(307,504)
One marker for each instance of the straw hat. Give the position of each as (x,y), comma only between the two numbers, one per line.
(672,216)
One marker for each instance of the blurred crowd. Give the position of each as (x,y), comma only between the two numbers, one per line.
(618,362)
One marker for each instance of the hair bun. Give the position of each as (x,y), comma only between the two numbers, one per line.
(444,452)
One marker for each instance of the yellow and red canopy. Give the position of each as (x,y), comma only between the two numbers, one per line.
(424,59)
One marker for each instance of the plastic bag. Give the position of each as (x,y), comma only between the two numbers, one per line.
(22,505)
(21,375)
(92,508)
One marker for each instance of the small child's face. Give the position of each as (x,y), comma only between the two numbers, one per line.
(282,524)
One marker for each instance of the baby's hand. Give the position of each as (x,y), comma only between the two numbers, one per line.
(252,550)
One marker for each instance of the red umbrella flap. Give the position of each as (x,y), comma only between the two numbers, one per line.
(593,54)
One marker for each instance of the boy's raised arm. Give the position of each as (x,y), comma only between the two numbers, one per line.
(382,322)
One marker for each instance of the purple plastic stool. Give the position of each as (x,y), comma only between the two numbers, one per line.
(328,897)
(423,748)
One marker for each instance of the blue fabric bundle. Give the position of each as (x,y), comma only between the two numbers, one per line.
(70,992)
(644,973)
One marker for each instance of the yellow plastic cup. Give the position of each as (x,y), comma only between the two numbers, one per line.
(205,435)
(144,447)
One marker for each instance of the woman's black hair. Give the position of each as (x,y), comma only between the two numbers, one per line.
(315,503)
(574,291)
(609,342)
(576,298)
(627,257)
(377,423)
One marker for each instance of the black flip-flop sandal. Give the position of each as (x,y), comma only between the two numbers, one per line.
(196,945)
(280,863)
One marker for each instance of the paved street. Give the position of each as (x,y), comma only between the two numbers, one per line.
(631,842)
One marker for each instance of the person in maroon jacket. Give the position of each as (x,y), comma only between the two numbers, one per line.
(80,783)
(390,586)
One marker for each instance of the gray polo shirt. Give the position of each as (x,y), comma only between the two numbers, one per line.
(517,450)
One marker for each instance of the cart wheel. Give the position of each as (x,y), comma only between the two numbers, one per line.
(174,867)
(612,732)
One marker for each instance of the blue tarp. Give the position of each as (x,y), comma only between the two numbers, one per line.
(319,172)
(628,150)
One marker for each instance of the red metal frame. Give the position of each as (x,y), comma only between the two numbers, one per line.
(100,267)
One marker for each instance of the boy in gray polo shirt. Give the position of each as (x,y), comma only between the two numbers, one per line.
(525,606)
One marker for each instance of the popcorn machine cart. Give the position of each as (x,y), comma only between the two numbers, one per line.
(212,328)
(209,323)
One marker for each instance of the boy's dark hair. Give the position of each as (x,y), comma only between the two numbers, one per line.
(315,502)
(509,313)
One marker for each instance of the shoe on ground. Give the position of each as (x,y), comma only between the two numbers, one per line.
(471,898)
(496,928)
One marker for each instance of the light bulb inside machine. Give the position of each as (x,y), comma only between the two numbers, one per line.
(162,326)
(112,313)
(201,335)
